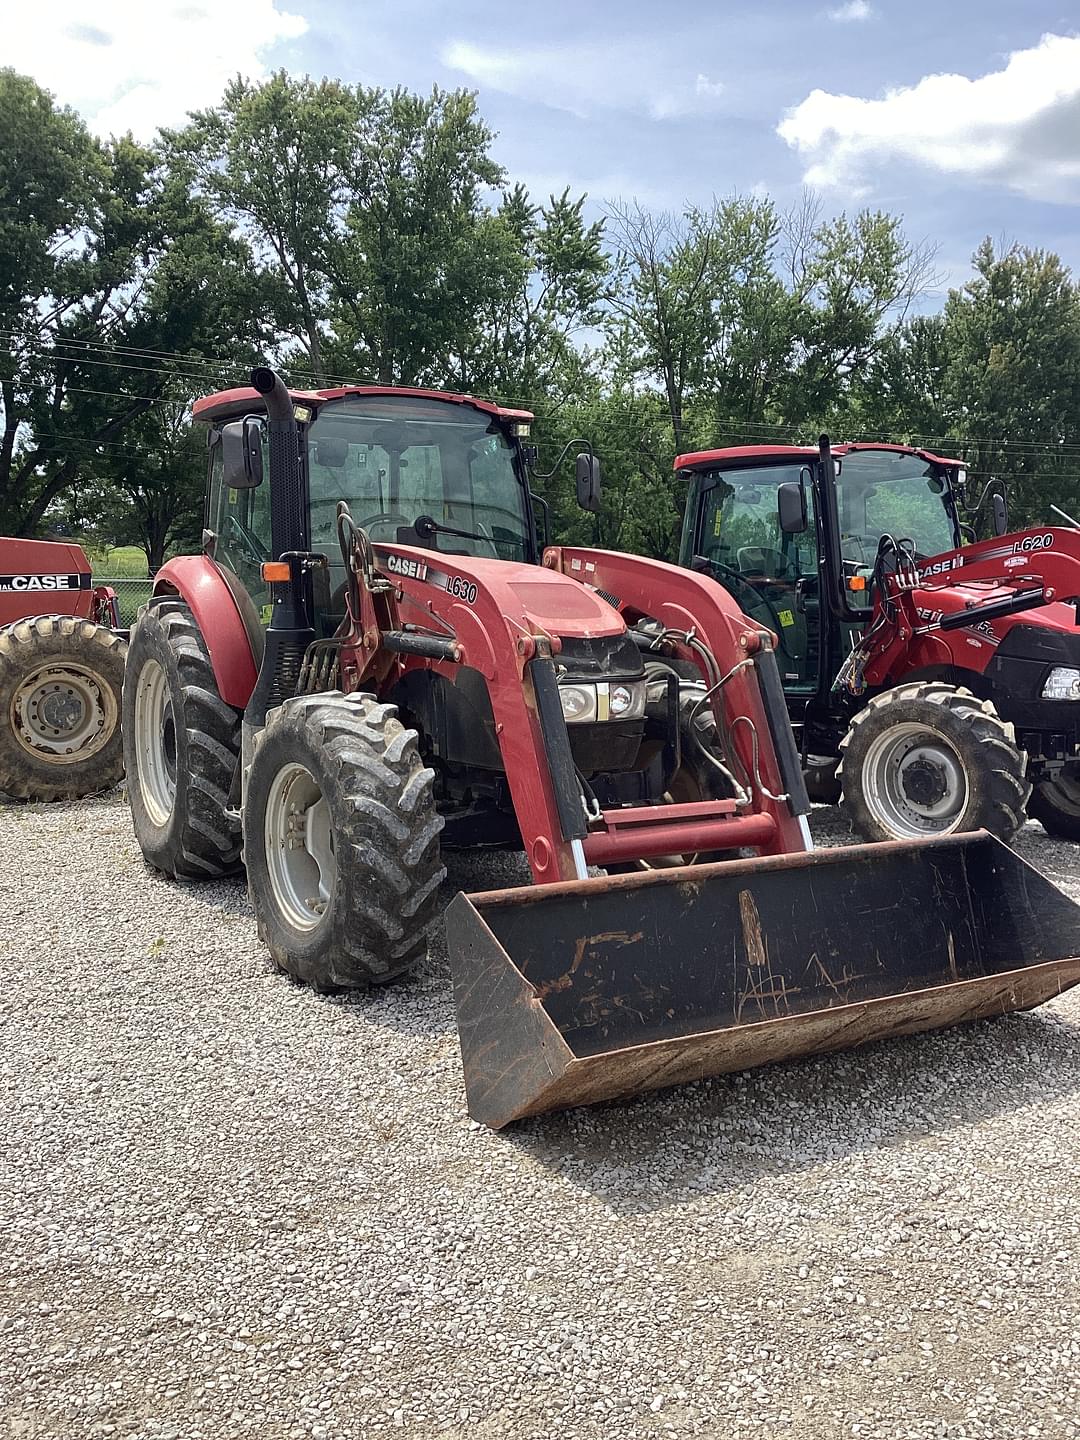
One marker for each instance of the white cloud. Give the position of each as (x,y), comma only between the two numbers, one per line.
(1017,127)
(853,10)
(621,75)
(135,65)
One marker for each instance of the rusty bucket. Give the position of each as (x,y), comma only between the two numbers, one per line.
(573,993)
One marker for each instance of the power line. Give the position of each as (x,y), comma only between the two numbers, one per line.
(652,407)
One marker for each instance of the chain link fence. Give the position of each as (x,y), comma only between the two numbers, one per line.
(132,593)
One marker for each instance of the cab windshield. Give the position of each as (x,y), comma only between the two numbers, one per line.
(881,492)
(395,459)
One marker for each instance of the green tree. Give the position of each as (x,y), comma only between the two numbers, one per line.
(276,160)
(1012,335)
(902,393)
(127,296)
(851,281)
(73,238)
(548,287)
(418,254)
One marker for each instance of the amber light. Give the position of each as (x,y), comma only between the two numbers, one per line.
(275,570)
(857,582)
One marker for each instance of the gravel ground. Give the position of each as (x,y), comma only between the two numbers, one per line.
(232,1208)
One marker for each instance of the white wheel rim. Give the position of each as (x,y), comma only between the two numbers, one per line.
(63,713)
(914,782)
(299,847)
(155,743)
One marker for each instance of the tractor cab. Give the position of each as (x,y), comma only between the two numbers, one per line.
(796,550)
(441,472)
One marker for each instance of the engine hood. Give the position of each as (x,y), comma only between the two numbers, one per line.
(528,597)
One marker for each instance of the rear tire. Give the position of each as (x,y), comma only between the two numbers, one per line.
(341,841)
(61,679)
(1056,803)
(931,759)
(181,745)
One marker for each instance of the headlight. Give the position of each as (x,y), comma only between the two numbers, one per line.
(1062,683)
(586,703)
(626,702)
(578,703)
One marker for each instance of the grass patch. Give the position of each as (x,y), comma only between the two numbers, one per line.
(121,560)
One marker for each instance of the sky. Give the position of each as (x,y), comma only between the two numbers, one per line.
(962,117)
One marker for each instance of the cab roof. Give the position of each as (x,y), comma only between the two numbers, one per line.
(778,454)
(227,404)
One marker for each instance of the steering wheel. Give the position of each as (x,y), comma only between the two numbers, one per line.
(488,539)
(760,597)
(386,517)
(781,564)
(852,541)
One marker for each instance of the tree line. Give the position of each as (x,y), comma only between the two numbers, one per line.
(367,235)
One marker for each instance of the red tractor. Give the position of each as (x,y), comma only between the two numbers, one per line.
(944,674)
(375,659)
(61,674)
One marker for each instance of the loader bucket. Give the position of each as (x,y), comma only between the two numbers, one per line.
(572,993)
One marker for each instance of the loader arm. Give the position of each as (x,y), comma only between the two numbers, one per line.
(1038,566)
(501,619)
(749,709)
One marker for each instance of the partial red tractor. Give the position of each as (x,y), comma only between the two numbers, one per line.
(943,674)
(61,674)
(376,659)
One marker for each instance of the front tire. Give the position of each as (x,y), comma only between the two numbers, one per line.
(181,747)
(822,783)
(341,841)
(931,759)
(1056,803)
(61,679)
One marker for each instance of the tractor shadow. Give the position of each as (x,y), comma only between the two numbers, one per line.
(671,1148)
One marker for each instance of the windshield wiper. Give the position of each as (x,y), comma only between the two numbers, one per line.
(427,528)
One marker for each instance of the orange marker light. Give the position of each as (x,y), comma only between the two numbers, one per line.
(856,582)
(275,570)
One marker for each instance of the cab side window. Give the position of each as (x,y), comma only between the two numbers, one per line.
(241,521)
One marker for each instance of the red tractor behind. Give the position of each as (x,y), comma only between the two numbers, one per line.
(61,674)
(944,674)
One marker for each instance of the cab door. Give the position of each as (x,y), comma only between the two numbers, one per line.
(772,577)
(240,521)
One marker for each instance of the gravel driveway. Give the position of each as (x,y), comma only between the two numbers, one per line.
(232,1208)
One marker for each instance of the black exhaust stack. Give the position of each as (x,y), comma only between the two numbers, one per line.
(290,631)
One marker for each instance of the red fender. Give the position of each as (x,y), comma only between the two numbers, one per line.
(202,587)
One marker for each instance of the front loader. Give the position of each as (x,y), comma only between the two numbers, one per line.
(376,659)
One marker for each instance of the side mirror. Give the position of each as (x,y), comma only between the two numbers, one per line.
(791,508)
(588,482)
(1001,515)
(241,453)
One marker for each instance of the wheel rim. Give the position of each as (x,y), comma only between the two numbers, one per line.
(299,847)
(155,743)
(914,782)
(63,713)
